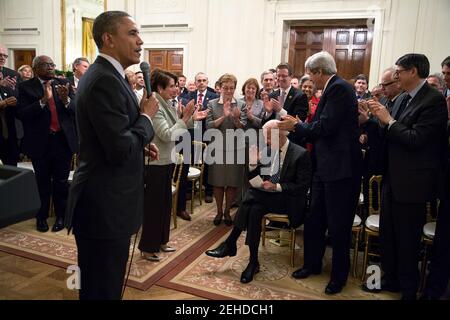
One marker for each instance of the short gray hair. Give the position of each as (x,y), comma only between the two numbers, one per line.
(264,73)
(439,77)
(273,124)
(36,61)
(321,61)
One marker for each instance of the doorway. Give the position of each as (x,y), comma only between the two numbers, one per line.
(23,56)
(167,59)
(349,42)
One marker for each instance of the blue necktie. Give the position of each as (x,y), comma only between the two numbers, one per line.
(275,177)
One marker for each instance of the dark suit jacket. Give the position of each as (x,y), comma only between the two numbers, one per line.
(295,180)
(416,146)
(36,120)
(208,97)
(334,132)
(71,80)
(11,73)
(296,103)
(9,149)
(106,195)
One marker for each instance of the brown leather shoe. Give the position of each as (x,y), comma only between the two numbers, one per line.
(184,215)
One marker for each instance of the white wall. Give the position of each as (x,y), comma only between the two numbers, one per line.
(245,37)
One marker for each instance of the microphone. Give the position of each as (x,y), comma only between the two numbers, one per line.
(145,68)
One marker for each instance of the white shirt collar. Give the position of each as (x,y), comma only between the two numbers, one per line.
(326,84)
(283,149)
(287,90)
(116,64)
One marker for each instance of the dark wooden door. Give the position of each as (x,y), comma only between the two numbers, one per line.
(351,46)
(170,60)
(23,56)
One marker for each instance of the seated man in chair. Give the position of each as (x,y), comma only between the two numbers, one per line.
(281,190)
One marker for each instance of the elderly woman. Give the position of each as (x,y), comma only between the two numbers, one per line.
(158,173)
(26,72)
(254,106)
(226,113)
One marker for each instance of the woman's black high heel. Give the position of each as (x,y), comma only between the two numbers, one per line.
(218,219)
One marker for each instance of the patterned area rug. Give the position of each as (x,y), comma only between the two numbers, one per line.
(214,278)
(59,249)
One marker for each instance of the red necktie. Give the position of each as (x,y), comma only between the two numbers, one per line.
(200,98)
(54,123)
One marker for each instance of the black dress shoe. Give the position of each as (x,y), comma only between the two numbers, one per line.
(249,272)
(217,219)
(59,225)
(223,250)
(208,199)
(333,287)
(303,273)
(184,215)
(41,225)
(228,221)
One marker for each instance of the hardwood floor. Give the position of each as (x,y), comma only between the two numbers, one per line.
(24,279)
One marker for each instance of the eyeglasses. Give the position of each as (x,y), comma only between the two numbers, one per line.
(47,64)
(4,55)
(384,85)
(398,71)
(228,88)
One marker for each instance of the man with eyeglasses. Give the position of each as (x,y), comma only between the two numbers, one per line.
(390,87)
(50,139)
(415,144)
(8,77)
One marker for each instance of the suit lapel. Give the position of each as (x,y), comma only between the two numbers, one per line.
(287,159)
(324,98)
(124,83)
(414,102)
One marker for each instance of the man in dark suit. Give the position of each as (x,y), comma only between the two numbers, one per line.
(184,92)
(9,148)
(336,179)
(361,87)
(8,77)
(416,142)
(105,204)
(292,100)
(47,113)
(286,182)
(79,68)
(201,96)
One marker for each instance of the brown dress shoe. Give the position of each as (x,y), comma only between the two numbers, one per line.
(184,215)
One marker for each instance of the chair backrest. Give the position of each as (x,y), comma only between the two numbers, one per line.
(198,148)
(375,195)
(177,170)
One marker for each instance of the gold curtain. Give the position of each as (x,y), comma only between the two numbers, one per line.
(89,49)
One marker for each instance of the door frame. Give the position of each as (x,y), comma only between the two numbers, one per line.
(286,18)
(171,46)
(11,47)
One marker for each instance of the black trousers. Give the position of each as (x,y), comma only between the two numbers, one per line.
(52,171)
(255,205)
(157,207)
(400,239)
(102,263)
(439,275)
(333,207)
(184,183)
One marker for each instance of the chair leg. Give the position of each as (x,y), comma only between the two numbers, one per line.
(366,251)
(423,269)
(292,247)
(263,231)
(174,210)
(192,197)
(355,253)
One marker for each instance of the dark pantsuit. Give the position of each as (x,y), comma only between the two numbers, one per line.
(184,183)
(333,204)
(102,264)
(52,171)
(157,207)
(400,235)
(256,204)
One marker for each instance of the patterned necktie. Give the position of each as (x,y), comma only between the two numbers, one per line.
(200,99)
(54,123)
(276,169)
(282,98)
